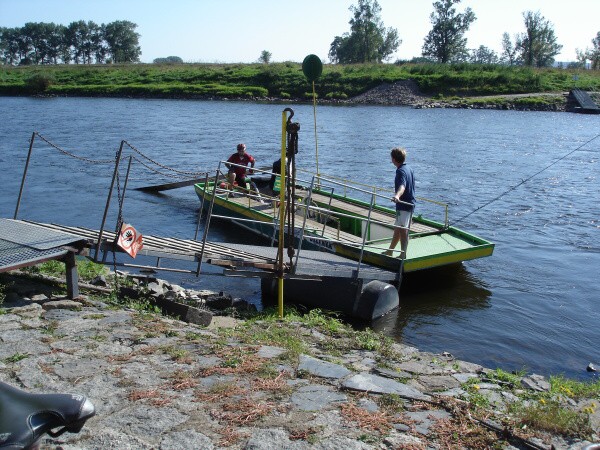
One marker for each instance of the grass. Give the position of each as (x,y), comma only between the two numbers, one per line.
(574,389)
(285,80)
(86,269)
(16,358)
(552,417)
(550,412)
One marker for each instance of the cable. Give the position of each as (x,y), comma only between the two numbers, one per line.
(523,181)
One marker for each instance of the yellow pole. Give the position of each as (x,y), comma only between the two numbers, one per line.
(316,140)
(282,186)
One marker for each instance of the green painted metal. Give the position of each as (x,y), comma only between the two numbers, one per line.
(446,246)
(312,67)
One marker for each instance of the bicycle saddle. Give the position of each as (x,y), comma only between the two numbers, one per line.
(24,417)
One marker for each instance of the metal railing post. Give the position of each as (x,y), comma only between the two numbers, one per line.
(207,225)
(125,186)
(110,191)
(24,174)
(367,228)
(201,208)
(308,200)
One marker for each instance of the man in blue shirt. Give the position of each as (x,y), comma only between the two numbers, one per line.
(404,188)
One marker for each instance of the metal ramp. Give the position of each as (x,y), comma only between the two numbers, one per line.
(236,259)
(583,103)
(23,245)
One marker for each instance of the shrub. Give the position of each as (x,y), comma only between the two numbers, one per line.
(39,82)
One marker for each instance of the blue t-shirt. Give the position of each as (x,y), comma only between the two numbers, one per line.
(406,178)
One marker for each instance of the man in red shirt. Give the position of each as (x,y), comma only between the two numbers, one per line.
(238,173)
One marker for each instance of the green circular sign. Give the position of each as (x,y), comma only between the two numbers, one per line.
(312,67)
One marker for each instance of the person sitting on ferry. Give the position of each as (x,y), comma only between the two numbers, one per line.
(238,173)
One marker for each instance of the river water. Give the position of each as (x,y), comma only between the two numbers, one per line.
(533,305)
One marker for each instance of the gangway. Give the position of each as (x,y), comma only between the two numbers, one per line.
(330,272)
(583,102)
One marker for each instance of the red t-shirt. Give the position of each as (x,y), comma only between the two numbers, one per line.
(244,160)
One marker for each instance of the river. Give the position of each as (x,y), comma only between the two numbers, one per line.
(533,305)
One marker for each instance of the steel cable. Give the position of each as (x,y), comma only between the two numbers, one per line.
(522,182)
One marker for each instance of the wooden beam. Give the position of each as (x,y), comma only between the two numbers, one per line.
(167,186)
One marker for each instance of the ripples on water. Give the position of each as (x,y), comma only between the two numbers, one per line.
(533,304)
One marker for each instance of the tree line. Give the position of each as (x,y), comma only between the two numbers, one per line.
(79,42)
(369,41)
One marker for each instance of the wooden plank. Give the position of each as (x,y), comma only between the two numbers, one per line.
(168,186)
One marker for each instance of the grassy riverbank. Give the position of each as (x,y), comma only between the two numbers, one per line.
(284,80)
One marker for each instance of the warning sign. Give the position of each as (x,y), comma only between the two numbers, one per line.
(130,240)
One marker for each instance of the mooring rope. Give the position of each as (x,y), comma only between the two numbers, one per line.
(162,165)
(72,155)
(486,204)
(183,174)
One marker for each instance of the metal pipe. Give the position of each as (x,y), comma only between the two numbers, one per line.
(308,200)
(125,186)
(329,209)
(24,174)
(207,225)
(110,191)
(367,228)
(201,207)
(282,187)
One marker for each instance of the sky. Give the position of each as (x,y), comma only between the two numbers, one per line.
(229,31)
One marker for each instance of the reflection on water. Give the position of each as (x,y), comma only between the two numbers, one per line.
(434,293)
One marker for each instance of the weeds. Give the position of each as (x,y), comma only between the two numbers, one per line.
(86,269)
(574,389)
(374,421)
(550,416)
(16,357)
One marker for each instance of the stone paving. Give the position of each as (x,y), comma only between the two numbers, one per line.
(165,384)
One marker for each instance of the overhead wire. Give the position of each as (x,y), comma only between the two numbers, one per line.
(512,188)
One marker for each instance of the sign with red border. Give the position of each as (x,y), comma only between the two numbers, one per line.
(130,240)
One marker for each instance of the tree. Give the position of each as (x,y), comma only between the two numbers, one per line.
(368,40)
(591,54)
(122,41)
(10,45)
(446,42)
(483,55)
(594,52)
(168,60)
(265,57)
(509,51)
(538,45)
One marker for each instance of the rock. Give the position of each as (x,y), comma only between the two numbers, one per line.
(380,385)
(272,439)
(32,310)
(155,288)
(242,305)
(100,280)
(219,302)
(268,352)
(39,298)
(396,374)
(315,397)
(184,440)
(535,383)
(423,420)
(434,383)
(322,369)
(62,304)
(419,368)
